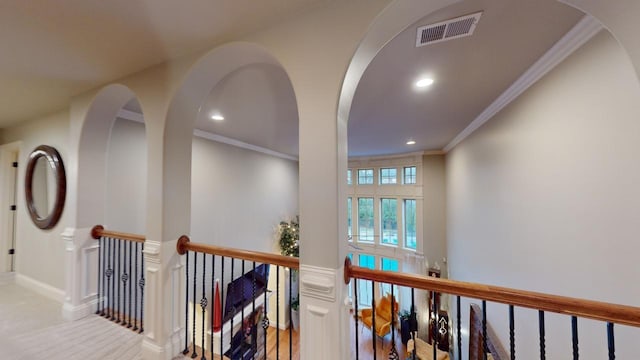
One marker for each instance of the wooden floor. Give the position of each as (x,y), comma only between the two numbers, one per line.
(365,348)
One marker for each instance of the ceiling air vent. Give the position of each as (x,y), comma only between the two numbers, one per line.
(447,30)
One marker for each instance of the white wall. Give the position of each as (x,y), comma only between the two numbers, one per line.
(39,253)
(545,197)
(126,178)
(239,196)
(434,211)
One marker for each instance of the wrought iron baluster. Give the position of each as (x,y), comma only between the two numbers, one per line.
(435,325)
(124,278)
(242,296)
(484,330)
(141,284)
(254,330)
(221,306)
(355,294)
(116,279)
(112,302)
(574,336)
(99,274)
(131,279)
(203,300)
(543,354)
(393,353)
(213,299)
(290,318)
(230,295)
(459,325)
(135,286)
(265,324)
(194,354)
(373,317)
(186,307)
(611,341)
(413,323)
(512,333)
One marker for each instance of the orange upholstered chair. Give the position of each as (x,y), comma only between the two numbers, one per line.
(384,317)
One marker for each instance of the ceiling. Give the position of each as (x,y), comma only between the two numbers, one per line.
(63,49)
(469,74)
(53,50)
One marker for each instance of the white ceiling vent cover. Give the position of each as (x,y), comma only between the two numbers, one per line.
(447,30)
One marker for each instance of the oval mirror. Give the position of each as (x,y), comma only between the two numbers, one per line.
(45,186)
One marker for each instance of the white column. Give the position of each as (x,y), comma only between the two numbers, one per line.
(81,273)
(163,301)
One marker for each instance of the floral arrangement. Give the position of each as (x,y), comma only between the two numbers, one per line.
(290,237)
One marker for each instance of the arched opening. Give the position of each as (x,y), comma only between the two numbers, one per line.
(485,179)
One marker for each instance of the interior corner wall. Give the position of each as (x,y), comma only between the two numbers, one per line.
(39,253)
(434,212)
(545,197)
(239,196)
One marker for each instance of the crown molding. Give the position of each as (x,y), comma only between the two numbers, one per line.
(584,30)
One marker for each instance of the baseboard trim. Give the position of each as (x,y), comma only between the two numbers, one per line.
(41,288)
(72,313)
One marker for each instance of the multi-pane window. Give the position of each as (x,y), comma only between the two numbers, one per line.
(410,223)
(349,220)
(365,219)
(389,221)
(410,175)
(349,180)
(364,287)
(389,265)
(365,176)
(388,176)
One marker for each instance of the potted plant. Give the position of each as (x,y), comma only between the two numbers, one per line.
(289,242)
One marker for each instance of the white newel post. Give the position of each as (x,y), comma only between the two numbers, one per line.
(324,314)
(81,273)
(163,299)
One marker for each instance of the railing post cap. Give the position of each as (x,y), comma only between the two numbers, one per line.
(347,269)
(96,231)
(181,246)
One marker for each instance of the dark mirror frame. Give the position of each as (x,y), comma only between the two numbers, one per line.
(55,161)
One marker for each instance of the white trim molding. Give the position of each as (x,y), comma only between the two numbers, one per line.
(41,288)
(582,32)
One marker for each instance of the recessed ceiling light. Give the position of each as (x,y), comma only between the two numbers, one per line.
(424,82)
(217,117)
(411,142)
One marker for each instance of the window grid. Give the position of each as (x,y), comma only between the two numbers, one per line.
(410,175)
(365,220)
(389,221)
(410,223)
(349,179)
(365,176)
(388,176)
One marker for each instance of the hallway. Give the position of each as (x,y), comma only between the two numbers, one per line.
(32,327)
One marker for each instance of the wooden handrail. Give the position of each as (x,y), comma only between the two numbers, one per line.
(99,231)
(184,244)
(620,314)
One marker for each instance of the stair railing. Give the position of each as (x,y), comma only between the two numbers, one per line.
(574,308)
(120,277)
(221,333)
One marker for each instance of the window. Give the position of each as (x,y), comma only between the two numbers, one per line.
(389,221)
(410,175)
(365,176)
(365,219)
(349,181)
(349,220)
(364,286)
(389,265)
(410,223)
(388,176)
